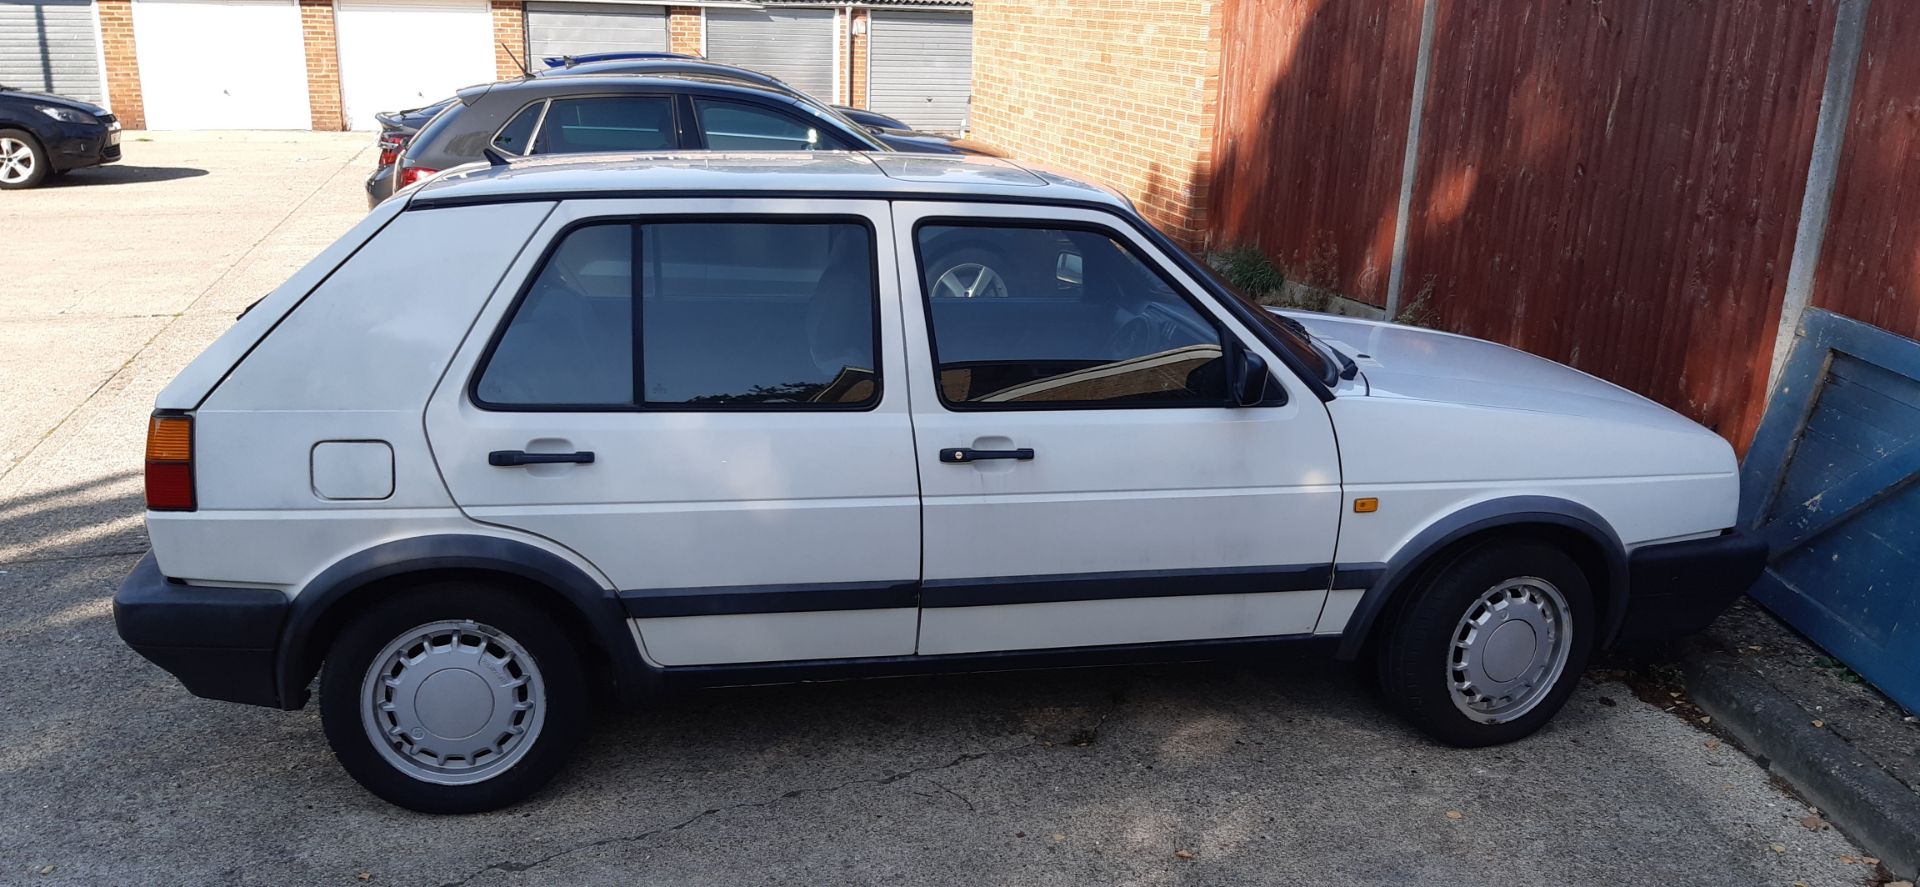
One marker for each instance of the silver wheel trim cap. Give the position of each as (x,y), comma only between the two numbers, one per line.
(453,702)
(1509,650)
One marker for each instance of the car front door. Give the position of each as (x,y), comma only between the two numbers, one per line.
(1085,479)
(706,400)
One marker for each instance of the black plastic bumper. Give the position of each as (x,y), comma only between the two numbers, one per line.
(220,642)
(1679,588)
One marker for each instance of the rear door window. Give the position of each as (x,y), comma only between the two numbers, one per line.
(761,314)
(607,123)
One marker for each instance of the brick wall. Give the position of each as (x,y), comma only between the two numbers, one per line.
(123,66)
(509,32)
(323,65)
(685,29)
(857,90)
(1120,91)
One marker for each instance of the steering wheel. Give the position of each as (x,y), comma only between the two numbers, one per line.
(1134,338)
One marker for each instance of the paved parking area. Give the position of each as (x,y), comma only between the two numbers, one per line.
(1285,774)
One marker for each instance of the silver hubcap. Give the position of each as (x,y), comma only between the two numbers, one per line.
(1509,650)
(453,702)
(16,160)
(970,280)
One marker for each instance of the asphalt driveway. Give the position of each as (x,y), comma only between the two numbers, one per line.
(1289,773)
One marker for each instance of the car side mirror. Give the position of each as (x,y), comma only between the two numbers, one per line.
(1249,379)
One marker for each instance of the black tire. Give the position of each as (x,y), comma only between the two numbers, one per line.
(42,165)
(1415,656)
(564,684)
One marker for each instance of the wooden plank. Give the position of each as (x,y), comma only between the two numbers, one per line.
(1615,184)
(1823,510)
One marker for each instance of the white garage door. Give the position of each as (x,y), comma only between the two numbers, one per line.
(921,67)
(221,64)
(400,54)
(50,46)
(557,29)
(795,45)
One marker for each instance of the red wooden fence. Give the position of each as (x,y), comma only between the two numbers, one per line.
(1615,184)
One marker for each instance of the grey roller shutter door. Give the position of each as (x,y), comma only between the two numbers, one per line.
(795,45)
(557,29)
(51,46)
(922,67)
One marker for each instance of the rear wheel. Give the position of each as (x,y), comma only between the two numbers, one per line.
(22,163)
(1493,644)
(453,698)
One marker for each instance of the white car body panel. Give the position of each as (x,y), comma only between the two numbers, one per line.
(1116,490)
(679,500)
(375,341)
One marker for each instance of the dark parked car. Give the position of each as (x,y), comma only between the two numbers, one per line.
(46,135)
(398,127)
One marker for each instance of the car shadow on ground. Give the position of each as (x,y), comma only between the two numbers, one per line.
(117,174)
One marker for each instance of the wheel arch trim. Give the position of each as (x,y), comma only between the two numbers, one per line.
(599,608)
(1494,514)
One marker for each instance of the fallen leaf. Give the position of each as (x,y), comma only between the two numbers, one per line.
(1819,723)
(1455,815)
(1019,834)
(1814,822)
(1869,860)
(1777,848)
(1846,858)
(1713,743)
(1755,648)
(47,869)
(1674,693)
(1899,884)
(1058,838)
(1707,720)
(365,876)
(1188,854)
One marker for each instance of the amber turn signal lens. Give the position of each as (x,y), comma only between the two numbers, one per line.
(1368,505)
(170,439)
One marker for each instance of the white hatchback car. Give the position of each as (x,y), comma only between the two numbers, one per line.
(691,421)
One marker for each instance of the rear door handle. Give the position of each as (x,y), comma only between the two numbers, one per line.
(510,458)
(963,455)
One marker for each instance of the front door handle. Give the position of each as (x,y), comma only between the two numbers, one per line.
(510,458)
(963,455)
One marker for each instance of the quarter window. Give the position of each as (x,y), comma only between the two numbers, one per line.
(607,123)
(732,315)
(517,136)
(1039,317)
(734,126)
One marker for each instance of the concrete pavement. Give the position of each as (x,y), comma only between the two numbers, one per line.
(1285,774)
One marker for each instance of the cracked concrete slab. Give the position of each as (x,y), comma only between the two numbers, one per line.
(1284,774)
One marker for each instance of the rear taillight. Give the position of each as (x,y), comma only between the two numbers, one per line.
(170,463)
(412,174)
(391,144)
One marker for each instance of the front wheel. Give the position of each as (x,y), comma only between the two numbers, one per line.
(453,698)
(1492,645)
(22,163)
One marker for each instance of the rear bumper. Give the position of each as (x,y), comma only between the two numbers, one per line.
(222,643)
(379,186)
(1679,588)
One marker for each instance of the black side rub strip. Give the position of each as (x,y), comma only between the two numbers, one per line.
(738,600)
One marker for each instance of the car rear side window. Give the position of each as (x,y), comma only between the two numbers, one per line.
(736,126)
(1059,318)
(517,136)
(731,315)
(607,123)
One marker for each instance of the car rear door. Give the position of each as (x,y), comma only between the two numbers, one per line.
(706,400)
(1085,481)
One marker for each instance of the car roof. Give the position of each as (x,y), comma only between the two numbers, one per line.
(625,82)
(825,173)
